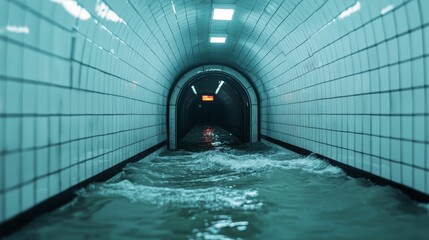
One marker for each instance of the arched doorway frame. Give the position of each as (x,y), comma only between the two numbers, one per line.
(191,74)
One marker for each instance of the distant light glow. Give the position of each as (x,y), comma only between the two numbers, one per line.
(223,14)
(207,98)
(106,13)
(194,90)
(217,39)
(74,9)
(387,9)
(18,29)
(173,7)
(349,11)
(218,87)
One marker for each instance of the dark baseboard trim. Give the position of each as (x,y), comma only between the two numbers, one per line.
(12,225)
(356,172)
(287,145)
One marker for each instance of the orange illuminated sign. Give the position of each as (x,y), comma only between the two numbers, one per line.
(207,98)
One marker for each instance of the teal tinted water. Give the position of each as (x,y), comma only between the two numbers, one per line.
(252,192)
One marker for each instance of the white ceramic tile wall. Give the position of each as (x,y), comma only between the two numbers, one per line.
(76,97)
(84,83)
(352,84)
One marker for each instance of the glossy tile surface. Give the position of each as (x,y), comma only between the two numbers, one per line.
(84,84)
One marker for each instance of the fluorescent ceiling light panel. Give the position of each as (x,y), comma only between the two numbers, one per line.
(218,87)
(194,90)
(223,14)
(217,38)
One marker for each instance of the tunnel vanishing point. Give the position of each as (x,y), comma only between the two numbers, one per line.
(87,86)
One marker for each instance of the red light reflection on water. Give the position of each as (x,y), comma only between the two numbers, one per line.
(209,135)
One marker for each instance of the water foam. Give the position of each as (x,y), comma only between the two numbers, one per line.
(425,206)
(203,180)
(210,198)
(258,162)
(214,228)
(312,164)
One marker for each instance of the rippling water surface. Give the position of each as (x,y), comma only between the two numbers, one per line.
(250,192)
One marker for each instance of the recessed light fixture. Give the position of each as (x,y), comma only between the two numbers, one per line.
(223,14)
(194,90)
(219,86)
(217,39)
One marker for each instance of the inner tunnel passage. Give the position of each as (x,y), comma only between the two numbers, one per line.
(216,100)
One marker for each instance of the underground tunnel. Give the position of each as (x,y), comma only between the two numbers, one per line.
(203,104)
(214,119)
(217,97)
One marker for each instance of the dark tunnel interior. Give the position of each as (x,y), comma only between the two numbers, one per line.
(229,108)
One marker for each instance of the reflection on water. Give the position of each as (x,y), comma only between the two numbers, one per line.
(205,137)
(252,191)
(209,136)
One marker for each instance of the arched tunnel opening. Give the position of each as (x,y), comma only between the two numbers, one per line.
(212,110)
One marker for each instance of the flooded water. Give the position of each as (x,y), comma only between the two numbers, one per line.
(207,137)
(252,191)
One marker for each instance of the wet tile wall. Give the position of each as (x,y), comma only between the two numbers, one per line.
(76,97)
(353,85)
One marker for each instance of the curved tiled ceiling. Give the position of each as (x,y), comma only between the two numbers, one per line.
(87,81)
(261,36)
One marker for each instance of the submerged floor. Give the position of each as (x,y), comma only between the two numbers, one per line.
(253,191)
